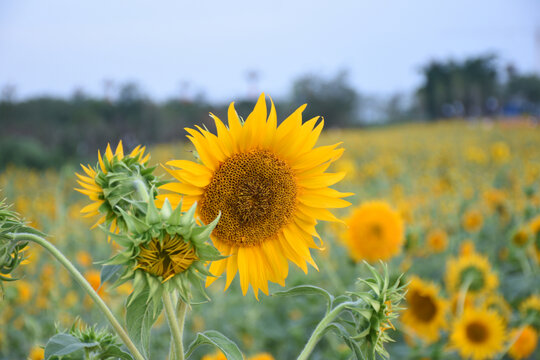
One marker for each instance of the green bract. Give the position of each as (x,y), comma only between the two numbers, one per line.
(160,226)
(125,183)
(10,250)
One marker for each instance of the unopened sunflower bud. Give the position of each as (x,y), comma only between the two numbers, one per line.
(117,184)
(379,306)
(164,250)
(11,251)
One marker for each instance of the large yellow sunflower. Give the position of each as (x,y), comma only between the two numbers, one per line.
(425,313)
(92,184)
(375,231)
(270,185)
(473,271)
(478,334)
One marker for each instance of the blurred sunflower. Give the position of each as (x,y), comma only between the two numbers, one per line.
(270,186)
(36,353)
(530,309)
(526,340)
(437,240)
(534,226)
(478,334)
(472,269)
(94,184)
(375,231)
(472,220)
(425,310)
(498,303)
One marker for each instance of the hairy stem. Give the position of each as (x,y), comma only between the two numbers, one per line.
(85,285)
(176,324)
(319,330)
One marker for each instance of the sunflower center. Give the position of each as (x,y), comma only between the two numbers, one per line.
(422,306)
(376,231)
(167,257)
(475,276)
(476,332)
(256,194)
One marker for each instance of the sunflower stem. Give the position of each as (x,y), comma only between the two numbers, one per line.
(319,330)
(176,321)
(86,286)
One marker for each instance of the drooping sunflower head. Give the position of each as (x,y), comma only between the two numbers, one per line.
(478,334)
(525,340)
(425,309)
(115,183)
(270,185)
(472,273)
(375,232)
(165,250)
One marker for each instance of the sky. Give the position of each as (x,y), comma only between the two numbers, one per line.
(181,48)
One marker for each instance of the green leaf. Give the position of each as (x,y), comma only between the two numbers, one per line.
(307,290)
(64,344)
(115,352)
(140,316)
(212,337)
(110,273)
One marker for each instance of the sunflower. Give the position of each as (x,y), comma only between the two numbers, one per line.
(526,339)
(478,334)
(375,231)
(96,184)
(437,240)
(530,309)
(471,270)
(534,225)
(425,313)
(472,220)
(270,186)
(166,258)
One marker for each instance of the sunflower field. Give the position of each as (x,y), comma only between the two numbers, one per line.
(454,206)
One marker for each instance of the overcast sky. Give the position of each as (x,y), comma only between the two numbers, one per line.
(55,46)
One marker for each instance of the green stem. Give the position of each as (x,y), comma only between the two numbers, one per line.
(175,324)
(85,285)
(319,330)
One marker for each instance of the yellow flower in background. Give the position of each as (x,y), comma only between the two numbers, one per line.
(520,238)
(36,353)
(466,248)
(530,307)
(478,334)
(84,258)
(261,356)
(500,152)
(472,271)
(498,303)
(218,355)
(94,191)
(472,220)
(425,310)
(525,342)
(376,231)
(24,291)
(270,185)
(437,240)
(94,278)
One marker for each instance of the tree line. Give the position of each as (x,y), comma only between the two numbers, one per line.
(46,131)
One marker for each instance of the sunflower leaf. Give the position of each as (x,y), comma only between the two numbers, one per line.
(140,316)
(212,337)
(64,344)
(307,290)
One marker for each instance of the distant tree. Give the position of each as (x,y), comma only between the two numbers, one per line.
(459,89)
(334,99)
